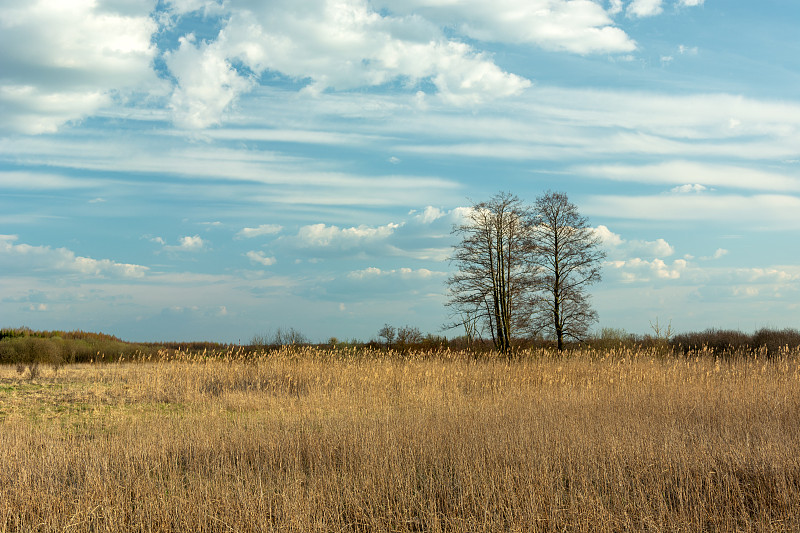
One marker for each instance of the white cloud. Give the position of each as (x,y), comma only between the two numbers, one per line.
(207,83)
(24,258)
(187,243)
(640,270)
(335,45)
(679,172)
(324,236)
(263,229)
(578,26)
(181,7)
(691,3)
(428,215)
(644,8)
(768,275)
(557,123)
(689,188)
(690,50)
(757,211)
(261,258)
(718,254)
(402,273)
(608,237)
(614,7)
(37,181)
(618,247)
(62,61)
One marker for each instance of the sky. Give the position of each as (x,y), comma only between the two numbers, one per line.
(218,169)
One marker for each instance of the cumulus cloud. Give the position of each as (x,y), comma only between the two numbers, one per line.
(689,188)
(333,45)
(644,8)
(62,61)
(423,235)
(718,254)
(260,258)
(324,236)
(403,273)
(577,26)
(263,229)
(615,7)
(428,215)
(187,243)
(366,284)
(641,270)
(207,84)
(617,246)
(24,258)
(768,275)
(607,237)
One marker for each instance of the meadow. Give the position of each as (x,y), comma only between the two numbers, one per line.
(315,439)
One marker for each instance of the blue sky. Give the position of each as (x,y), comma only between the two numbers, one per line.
(209,170)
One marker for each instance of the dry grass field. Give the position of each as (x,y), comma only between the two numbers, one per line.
(314,440)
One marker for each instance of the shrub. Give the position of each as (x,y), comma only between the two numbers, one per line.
(773,341)
(720,341)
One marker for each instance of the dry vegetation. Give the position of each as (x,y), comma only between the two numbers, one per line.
(315,440)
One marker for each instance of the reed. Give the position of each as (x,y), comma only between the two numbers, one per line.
(325,440)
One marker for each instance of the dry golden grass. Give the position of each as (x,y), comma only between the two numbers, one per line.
(311,440)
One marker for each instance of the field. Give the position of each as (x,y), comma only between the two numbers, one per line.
(309,439)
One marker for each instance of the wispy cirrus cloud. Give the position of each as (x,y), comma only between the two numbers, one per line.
(713,174)
(757,212)
(260,231)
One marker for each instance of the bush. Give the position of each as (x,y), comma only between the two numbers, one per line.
(720,341)
(774,341)
(726,342)
(612,338)
(24,346)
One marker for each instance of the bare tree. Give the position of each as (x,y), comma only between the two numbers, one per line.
(495,279)
(388,333)
(567,258)
(408,335)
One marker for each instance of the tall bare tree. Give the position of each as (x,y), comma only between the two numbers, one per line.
(495,280)
(567,258)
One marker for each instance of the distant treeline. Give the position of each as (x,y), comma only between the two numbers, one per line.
(719,342)
(26,346)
